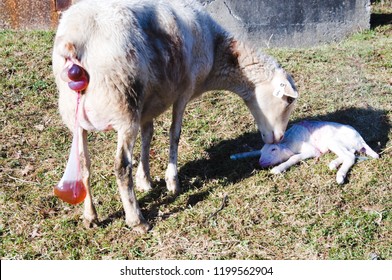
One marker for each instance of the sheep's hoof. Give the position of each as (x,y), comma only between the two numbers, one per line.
(143,184)
(90,223)
(173,185)
(141,228)
(137,223)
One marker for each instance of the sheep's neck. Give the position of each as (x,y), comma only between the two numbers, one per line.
(236,68)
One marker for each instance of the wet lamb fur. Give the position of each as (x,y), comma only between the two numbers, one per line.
(310,139)
(144,56)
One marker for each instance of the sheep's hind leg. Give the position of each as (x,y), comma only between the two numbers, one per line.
(171,175)
(143,178)
(90,218)
(123,169)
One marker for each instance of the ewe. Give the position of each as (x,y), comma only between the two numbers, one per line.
(145,56)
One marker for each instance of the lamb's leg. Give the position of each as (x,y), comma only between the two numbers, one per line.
(333,165)
(369,151)
(123,169)
(171,175)
(90,217)
(348,160)
(291,161)
(143,179)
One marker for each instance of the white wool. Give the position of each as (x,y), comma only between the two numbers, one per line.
(146,56)
(310,139)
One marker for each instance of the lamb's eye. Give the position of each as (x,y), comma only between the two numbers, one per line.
(273,150)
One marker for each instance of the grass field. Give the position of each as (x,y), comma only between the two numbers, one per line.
(227,209)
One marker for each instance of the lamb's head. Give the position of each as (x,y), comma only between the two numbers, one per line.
(272,104)
(273,154)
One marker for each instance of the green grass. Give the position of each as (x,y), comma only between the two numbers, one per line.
(301,214)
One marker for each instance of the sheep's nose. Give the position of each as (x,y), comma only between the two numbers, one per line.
(278,137)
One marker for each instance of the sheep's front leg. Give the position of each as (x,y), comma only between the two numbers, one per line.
(123,169)
(291,161)
(90,217)
(171,175)
(143,178)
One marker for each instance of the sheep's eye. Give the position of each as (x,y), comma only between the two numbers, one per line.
(290,99)
(273,150)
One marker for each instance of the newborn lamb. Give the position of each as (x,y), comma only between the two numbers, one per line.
(309,139)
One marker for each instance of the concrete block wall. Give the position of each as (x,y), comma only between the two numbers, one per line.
(291,23)
(267,23)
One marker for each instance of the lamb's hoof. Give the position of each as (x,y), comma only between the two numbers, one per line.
(173,185)
(332,165)
(275,171)
(340,179)
(143,184)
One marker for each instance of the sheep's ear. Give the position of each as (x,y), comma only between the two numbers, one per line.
(279,91)
(291,92)
(284,89)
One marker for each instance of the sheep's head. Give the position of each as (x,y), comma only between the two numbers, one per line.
(273,154)
(272,105)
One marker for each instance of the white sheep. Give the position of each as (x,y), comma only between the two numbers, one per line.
(309,139)
(144,57)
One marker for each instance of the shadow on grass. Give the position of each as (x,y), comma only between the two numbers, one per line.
(380,20)
(372,124)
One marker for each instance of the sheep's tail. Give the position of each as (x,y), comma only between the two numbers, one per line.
(75,29)
(369,151)
(65,48)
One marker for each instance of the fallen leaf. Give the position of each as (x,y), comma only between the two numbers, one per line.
(35,233)
(39,127)
(18,154)
(27,169)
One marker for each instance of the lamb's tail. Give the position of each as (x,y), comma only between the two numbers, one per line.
(369,151)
